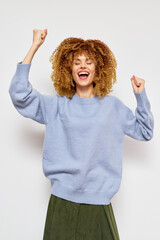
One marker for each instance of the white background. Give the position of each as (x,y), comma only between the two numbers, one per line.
(131,29)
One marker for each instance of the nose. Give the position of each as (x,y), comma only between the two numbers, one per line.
(83,65)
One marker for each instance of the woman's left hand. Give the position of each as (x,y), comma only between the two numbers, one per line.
(137,84)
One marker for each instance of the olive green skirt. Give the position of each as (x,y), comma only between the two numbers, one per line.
(68,220)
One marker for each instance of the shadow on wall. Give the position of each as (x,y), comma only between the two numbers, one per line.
(139,151)
(32,137)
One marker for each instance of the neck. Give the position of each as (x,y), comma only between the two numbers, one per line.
(87,93)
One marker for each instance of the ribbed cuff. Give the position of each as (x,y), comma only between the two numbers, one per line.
(141,97)
(23,69)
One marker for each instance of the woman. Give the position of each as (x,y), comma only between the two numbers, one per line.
(85,129)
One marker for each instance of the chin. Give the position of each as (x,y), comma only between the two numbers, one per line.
(84,84)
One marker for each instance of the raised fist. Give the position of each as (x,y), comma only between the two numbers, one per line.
(39,36)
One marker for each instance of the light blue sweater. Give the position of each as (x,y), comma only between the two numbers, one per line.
(82,151)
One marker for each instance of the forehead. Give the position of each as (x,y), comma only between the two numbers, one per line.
(81,56)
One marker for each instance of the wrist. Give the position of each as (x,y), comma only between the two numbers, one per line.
(34,47)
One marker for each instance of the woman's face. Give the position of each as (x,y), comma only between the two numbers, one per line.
(83,70)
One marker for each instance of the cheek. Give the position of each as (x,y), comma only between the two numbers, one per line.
(74,71)
(93,71)
(74,74)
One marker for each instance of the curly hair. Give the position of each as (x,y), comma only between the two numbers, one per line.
(98,51)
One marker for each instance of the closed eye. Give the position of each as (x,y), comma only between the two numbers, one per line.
(78,63)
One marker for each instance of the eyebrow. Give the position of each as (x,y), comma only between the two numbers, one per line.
(79,59)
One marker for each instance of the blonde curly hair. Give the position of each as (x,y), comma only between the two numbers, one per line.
(98,51)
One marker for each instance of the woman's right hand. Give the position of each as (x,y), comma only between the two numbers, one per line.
(39,37)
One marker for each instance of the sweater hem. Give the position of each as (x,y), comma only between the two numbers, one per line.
(97,198)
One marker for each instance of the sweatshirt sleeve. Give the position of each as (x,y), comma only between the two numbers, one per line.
(141,124)
(28,101)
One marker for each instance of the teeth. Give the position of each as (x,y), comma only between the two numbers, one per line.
(83,73)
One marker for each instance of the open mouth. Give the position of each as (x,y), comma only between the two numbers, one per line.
(83,75)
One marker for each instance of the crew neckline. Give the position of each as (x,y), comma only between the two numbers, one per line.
(84,100)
